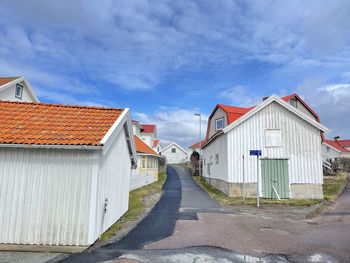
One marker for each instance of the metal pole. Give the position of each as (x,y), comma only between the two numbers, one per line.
(200,145)
(257,185)
(243,185)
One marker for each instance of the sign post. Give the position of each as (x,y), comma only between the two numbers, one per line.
(257,153)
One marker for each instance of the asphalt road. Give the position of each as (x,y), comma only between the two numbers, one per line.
(182,198)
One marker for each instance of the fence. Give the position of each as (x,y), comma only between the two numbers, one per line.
(138,179)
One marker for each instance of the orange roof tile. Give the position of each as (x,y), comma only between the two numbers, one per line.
(142,147)
(5,80)
(197,144)
(52,124)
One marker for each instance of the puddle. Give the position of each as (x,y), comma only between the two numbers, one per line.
(197,254)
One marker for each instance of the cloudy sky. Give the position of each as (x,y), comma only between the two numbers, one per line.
(167,60)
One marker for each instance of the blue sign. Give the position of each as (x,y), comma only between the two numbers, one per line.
(255,152)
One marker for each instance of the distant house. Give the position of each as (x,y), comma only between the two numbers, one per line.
(289,135)
(64,172)
(195,147)
(174,154)
(16,89)
(335,149)
(146,171)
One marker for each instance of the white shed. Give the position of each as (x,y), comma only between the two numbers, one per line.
(16,89)
(64,175)
(174,154)
(290,141)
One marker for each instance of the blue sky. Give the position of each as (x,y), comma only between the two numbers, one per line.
(167,60)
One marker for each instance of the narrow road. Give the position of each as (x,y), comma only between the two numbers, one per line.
(182,198)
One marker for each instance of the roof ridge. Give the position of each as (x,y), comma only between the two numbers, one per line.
(59,105)
(13,77)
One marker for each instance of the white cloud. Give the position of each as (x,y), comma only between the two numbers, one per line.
(175,125)
(332,104)
(240,95)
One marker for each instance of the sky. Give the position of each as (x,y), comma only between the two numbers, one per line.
(167,60)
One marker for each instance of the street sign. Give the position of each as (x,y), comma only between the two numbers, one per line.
(255,152)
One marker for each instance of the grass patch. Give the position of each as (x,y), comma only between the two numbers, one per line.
(332,186)
(331,189)
(136,205)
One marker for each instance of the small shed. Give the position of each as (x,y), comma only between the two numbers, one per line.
(174,154)
(64,175)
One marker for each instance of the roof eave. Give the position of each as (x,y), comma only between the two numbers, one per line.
(53,146)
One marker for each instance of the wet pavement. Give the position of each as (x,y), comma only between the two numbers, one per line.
(186,225)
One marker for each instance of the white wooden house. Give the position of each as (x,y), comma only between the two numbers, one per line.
(16,89)
(196,147)
(287,133)
(64,175)
(146,171)
(174,154)
(335,149)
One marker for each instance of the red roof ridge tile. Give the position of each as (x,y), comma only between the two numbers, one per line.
(61,105)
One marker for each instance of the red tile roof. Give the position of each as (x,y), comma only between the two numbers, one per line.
(336,145)
(148,128)
(197,144)
(142,147)
(344,143)
(5,80)
(156,142)
(52,124)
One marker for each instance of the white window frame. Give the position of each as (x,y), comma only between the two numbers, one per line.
(19,87)
(216,123)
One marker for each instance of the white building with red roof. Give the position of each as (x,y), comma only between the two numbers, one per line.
(335,149)
(288,134)
(64,172)
(16,89)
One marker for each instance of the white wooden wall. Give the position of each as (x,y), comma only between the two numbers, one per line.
(301,145)
(9,94)
(44,196)
(174,158)
(113,183)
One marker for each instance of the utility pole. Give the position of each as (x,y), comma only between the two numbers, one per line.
(200,142)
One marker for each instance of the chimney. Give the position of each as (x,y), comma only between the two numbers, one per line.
(265,98)
(336,138)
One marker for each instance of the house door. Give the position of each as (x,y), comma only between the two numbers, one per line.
(275,179)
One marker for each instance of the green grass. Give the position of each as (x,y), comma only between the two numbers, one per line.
(136,205)
(333,186)
(331,189)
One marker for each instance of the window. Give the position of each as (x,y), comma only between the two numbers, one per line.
(143,163)
(219,124)
(149,162)
(273,138)
(328,149)
(173,150)
(217,158)
(293,102)
(19,91)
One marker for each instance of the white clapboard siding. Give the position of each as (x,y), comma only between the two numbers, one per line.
(113,183)
(301,145)
(138,179)
(44,196)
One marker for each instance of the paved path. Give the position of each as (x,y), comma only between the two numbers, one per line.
(182,198)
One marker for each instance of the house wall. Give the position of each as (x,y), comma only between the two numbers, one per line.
(174,158)
(219,113)
(301,145)
(112,183)
(211,168)
(147,138)
(136,129)
(44,196)
(302,108)
(329,153)
(9,94)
